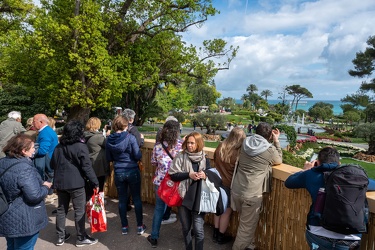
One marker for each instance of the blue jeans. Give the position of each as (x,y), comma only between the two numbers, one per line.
(159,210)
(316,243)
(22,243)
(188,217)
(129,179)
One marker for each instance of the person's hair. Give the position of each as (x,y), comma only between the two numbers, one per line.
(171,118)
(14,114)
(16,144)
(264,129)
(329,155)
(120,123)
(129,114)
(170,133)
(93,124)
(29,123)
(198,141)
(232,144)
(72,133)
(51,122)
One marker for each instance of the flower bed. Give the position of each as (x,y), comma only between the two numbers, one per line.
(310,139)
(332,138)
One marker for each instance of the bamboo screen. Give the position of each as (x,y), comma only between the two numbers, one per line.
(282,221)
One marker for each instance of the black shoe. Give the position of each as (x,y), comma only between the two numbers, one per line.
(61,241)
(129,208)
(86,241)
(223,239)
(153,242)
(214,237)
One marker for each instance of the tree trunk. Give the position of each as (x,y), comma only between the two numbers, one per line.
(371,147)
(79,114)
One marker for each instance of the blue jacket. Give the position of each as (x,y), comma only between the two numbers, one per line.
(47,140)
(122,148)
(312,180)
(23,186)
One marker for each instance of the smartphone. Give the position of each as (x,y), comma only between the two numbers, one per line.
(314,157)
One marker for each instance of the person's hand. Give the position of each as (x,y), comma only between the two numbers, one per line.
(308,165)
(96,189)
(275,135)
(47,184)
(142,136)
(194,176)
(202,175)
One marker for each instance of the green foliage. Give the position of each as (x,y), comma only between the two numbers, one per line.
(211,121)
(243,112)
(291,134)
(367,132)
(321,110)
(298,93)
(290,159)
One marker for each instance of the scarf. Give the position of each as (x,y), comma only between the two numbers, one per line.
(183,163)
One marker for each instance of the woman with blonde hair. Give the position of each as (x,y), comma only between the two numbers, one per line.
(225,158)
(189,167)
(95,142)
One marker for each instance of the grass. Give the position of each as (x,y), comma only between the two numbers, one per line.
(368,166)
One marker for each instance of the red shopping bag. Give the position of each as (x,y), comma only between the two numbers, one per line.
(96,213)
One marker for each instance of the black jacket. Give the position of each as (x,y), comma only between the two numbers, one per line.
(71,164)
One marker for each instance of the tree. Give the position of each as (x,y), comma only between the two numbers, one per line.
(203,94)
(211,121)
(266,93)
(84,54)
(351,116)
(364,65)
(321,110)
(228,102)
(173,97)
(298,93)
(251,89)
(282,95)
(367,132)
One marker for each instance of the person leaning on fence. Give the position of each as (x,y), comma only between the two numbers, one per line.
(25,190)
(252,179)
(189,167)
(312,179)
(162,161)
(225,158)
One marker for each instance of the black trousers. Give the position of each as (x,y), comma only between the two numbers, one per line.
(78,197)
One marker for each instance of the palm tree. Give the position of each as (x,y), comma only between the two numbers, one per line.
(266,93)
(252,88)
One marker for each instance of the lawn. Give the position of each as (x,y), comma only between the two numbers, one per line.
(369,167)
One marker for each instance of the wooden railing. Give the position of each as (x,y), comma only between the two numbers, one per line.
(282,222)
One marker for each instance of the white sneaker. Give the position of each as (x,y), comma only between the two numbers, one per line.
(173,215)
(169,221)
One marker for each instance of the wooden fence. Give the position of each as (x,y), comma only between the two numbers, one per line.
(282,222)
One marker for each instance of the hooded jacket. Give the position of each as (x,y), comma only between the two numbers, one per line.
(122,148)
(254,171)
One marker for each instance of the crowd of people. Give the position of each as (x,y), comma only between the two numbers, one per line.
(38,166)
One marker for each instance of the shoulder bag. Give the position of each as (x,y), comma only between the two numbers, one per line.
(168,189)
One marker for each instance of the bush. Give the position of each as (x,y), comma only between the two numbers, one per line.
(242,112)
(290,159)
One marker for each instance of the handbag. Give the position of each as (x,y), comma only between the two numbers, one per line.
(96,213)
(209,197)
(168,191)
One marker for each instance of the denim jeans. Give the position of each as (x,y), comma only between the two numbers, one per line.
(187,218)
(78,197)
(129,179)
(159,210)
(316,243)
(22,243)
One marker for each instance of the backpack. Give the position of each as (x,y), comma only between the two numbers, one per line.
(4,204)
(345,202)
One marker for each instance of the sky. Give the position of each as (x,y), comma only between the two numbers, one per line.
(288,42)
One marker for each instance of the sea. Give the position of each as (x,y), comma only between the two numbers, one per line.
(306,104)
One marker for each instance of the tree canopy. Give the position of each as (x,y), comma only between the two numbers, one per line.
(85,54)
(298,92)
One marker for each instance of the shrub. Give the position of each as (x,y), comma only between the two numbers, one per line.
(290,159)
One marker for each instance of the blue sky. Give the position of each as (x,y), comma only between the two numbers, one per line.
(287,42)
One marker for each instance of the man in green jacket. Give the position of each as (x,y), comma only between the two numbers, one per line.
(9,128)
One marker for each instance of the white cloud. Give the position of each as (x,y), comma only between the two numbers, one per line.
(311,43)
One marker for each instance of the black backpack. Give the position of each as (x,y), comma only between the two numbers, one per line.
(345,203)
